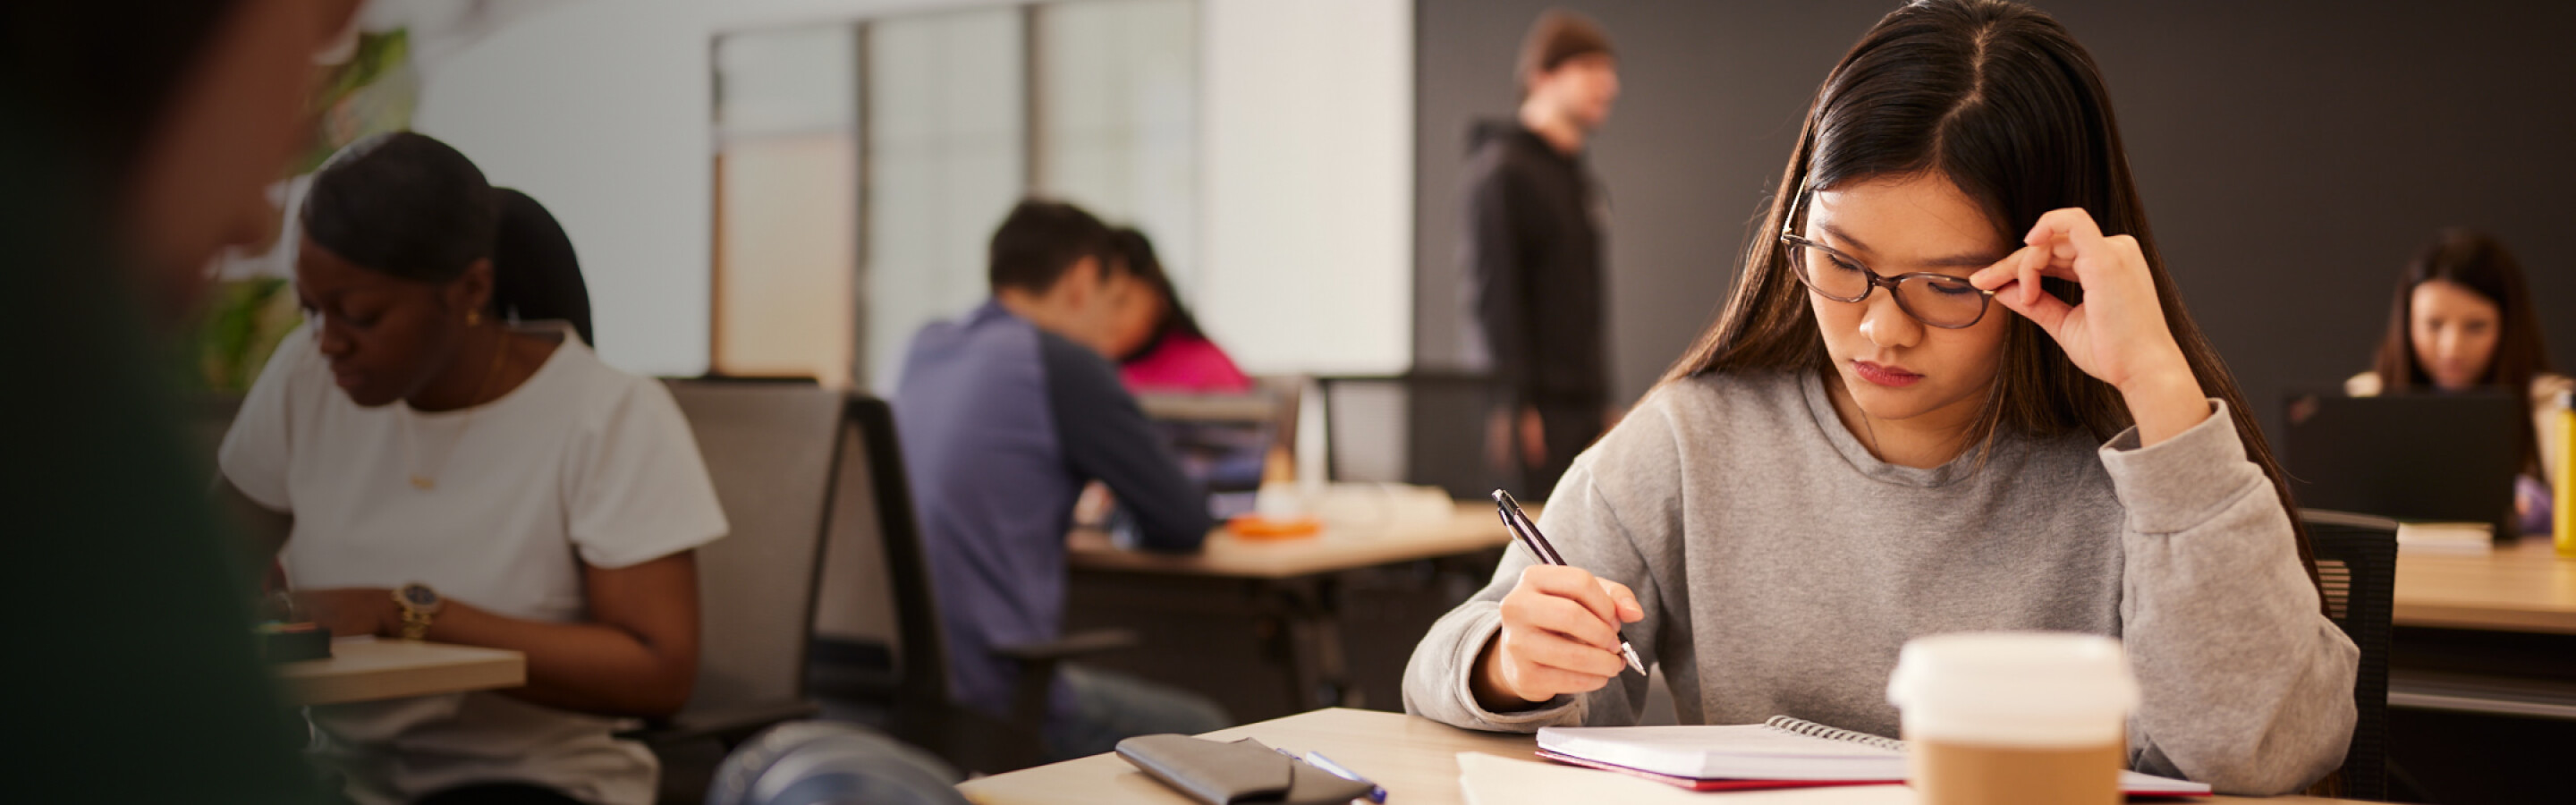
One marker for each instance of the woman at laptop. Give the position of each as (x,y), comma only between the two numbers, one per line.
(457,478)
(2462,320)
(1907,422)
(1176,356)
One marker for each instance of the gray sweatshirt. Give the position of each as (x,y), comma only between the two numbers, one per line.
(1807,563)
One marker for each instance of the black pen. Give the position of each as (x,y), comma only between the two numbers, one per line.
(1530,538)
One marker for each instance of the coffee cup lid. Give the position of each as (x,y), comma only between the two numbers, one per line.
(2029,684)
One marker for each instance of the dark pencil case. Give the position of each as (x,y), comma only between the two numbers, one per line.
(1243,771)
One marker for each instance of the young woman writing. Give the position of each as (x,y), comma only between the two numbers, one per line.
(1954,389)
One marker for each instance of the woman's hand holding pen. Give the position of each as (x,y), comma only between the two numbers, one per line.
(2118,335)
(1560,635)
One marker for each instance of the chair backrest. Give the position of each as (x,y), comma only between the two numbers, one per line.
(878,502)
(2357,561)
(1422,427)
(769,447)
(855,612)
(875,508)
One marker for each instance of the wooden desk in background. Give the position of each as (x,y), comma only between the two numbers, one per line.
(369,670)
(2523,587)
(1415,759)
(1472,527)
(1291,580)
(2485,634)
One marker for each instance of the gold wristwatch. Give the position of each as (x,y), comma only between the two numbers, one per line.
(419,604)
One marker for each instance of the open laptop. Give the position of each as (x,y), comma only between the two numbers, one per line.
(2421,457)
(1222,441)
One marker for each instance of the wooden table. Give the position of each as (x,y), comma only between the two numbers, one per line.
(2491,632)
(1471,527)
(1415,759)
(2523,587)
(368,670)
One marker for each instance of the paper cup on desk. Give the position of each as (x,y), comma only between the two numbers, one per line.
(1280,500)
(2014,716)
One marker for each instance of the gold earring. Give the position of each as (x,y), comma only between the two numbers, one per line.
(473,318)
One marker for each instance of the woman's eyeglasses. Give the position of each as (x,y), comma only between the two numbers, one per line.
(1936,300)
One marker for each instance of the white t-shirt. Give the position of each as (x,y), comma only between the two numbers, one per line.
(580,464)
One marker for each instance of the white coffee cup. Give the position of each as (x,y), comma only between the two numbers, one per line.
(2014,716)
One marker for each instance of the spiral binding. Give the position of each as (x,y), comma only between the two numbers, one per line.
(1800,726)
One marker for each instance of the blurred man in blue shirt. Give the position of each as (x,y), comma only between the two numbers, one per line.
(1005,414)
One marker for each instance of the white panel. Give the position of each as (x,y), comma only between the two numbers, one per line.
(945,153)
(787,81)
(1118,118)
(1308,145)
(599,110)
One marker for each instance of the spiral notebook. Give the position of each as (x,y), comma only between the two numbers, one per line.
(1781,753)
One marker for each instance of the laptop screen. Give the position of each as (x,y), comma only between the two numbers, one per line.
(2422,457)
(1223,442)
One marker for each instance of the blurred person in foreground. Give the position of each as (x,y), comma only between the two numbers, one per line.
(1536,294)
(138,137)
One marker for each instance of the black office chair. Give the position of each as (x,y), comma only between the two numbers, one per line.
(2357,561)
(921,712)
(768,447)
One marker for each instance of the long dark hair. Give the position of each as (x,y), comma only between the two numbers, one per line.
(405,204)
(1141,262)
(1998,98)
(2476,261)
(535,274)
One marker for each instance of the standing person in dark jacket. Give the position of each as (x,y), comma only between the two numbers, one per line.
(1534,245)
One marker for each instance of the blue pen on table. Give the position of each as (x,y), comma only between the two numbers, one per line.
(1377,793)
(1537,544)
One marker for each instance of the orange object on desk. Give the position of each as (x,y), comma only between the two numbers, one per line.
(1254,526)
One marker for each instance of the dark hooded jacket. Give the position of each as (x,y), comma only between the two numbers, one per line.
(1535,290)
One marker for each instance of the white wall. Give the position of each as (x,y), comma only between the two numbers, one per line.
(600,110)
(1308,183)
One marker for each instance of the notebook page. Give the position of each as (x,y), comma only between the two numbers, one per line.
(1741,751)
(1489,780)
(1756,752)
(1749,740)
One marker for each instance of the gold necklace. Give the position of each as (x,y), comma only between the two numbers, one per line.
(426,481)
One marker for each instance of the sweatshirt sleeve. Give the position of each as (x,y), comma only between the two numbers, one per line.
(2248,687)
(1105,435)
(1497,267)
(1598,519)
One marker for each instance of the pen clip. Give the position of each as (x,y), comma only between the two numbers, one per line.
(1521,527)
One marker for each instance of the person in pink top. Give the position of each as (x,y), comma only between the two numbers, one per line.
(1178,358)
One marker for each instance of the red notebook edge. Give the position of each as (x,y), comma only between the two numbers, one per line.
(1697,784)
